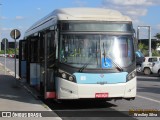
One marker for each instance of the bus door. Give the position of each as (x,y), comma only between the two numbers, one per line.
(22,59)
(33,63)
(48,65)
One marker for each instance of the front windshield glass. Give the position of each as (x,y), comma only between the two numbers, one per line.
(96,51)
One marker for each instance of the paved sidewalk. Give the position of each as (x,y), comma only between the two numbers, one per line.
(15,98)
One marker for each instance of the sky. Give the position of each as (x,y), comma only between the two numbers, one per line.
(21,14)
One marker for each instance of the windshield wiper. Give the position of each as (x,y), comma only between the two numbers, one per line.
(96,53)
(117,66)
(106,56)
(85,65)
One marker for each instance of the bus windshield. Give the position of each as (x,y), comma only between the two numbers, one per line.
(96,51)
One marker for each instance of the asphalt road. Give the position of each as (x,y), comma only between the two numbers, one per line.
(10,64)
(148,97)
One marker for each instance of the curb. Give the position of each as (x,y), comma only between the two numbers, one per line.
(33,93)
(27,88)
(144,77)
(36,97)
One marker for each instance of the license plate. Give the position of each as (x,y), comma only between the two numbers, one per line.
(101,95)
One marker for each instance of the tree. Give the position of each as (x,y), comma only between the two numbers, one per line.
(157,36)
(143,48)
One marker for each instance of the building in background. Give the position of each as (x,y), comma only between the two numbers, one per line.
(10,45)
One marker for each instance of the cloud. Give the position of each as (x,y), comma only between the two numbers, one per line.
(19,17)
(128,7)
(137,12)
(158,26)
(131,2)
(3,18)
(39,9)
(21,28)
(132,8)
(6,29)
(80,3)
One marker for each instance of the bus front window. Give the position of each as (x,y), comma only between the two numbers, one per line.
(78,50)
(97,51)
(117,51)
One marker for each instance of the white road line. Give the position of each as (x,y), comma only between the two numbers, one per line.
(148,98)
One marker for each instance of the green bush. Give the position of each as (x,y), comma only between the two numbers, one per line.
(155,53)
(9,51)
(2,52)
(144,49)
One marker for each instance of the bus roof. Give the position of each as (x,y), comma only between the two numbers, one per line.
(90,14)
(93,14)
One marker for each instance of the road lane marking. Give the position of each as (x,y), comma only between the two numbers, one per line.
(148,98)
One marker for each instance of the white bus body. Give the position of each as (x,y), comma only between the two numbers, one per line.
(95,81)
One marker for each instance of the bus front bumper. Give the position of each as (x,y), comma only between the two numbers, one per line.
(70,90)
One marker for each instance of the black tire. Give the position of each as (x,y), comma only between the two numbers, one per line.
(147,71)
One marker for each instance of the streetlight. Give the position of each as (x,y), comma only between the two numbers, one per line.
(149,37)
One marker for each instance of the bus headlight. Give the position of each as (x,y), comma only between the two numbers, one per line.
(64,76)
(131,75)
(71,78)
(67,76)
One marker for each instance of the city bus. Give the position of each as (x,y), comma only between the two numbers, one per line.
(80,53)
